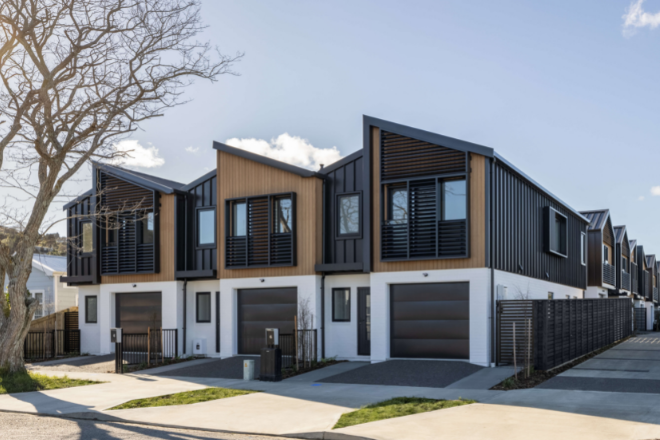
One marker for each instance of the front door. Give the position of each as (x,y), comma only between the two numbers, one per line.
(364,321)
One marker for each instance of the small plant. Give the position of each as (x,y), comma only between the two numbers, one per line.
(509,383)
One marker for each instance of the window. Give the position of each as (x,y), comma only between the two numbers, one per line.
(555,234)
(551,295)
(239,219)
(397,205)
(110,236)
(91,311)
(624,264)
(606,254)
(283,215)
(454,200)
(39,296)
(203,306)
(147,229)
(583,249)
(206,227)
(348,209)
(87,238)
(341,305)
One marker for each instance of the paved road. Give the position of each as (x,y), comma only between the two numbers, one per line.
(23,426)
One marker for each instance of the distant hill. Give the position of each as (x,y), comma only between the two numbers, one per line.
(50,244)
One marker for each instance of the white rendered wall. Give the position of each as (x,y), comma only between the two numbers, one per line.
(479,280)
(172,307)
(204,330)
(593,292)
(308,286)
(90,341)
(521,287)
(341,337)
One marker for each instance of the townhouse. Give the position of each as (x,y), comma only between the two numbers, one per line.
(399,250)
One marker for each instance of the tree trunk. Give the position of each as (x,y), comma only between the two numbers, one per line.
(17,325)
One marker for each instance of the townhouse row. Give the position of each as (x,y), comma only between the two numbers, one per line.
(399,250)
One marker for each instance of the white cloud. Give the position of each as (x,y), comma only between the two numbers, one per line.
(640,198)
(137,155)
(290,149)
(192,150)
(635,17)
(655,190)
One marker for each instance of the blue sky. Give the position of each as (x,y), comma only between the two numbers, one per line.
(561,89)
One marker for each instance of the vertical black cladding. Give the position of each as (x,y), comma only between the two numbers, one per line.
(344,180)
(81,268)
(518,232)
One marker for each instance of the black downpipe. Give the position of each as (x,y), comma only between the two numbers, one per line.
(492,268)
(322,315)
(323,260)
(185,314)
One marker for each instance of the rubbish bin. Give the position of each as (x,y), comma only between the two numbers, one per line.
(271,365)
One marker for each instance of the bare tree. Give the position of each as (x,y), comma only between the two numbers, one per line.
(306,340)
(76,76)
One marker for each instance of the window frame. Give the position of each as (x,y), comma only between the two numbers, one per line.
(41,303)
(82,238)
(215,228)
(606,252)
(341,289)
(583,248)
(337,216)
(140,233)
(274,221)
(231,206)
(441,198)
(549,232)
(624,267)
(199,295)
(87,297)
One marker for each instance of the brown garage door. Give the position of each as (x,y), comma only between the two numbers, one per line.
(136,312)
(259,309)
(430,321)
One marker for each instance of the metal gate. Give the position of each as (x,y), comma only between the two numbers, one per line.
(640,318)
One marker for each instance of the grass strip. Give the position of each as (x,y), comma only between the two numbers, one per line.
(24,382)
(397,407)
(185,398)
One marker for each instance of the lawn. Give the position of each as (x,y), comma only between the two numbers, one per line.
(185,398)
(397,407)
(23,382)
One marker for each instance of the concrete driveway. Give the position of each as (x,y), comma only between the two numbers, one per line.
(630,367)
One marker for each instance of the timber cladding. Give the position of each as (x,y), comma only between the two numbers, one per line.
(166,219)
(240,177)
(476,215)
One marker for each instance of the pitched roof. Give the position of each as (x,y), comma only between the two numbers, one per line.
(619,233)
(460,145)
(650,260)
(199,180)
(302,172)
(49,263)
(341,162)
(78,199)
(633,244)
(597,218)
(147,180)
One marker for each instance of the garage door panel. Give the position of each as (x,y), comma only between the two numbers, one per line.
(431,348)
(259,309)
(284,312)
(425,310)
(430,291)
(432,330)
(136,312)
(430,320)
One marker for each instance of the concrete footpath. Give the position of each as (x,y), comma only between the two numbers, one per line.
(304,408)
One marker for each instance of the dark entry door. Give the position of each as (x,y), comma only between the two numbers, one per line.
(136,312)
(430,321)
(259,309)
(364,321)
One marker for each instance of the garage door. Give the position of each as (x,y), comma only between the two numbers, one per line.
(136,312)
(259,309)
(430,321)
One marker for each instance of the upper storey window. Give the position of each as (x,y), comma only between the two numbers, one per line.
(556,236)
(348,209)
(624,264)
(260,231)
(397,198)
(283,215)
(206,227)
(87,238)
(454,200)
(147,228)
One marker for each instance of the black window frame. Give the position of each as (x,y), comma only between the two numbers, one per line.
(351,235)
(342,289)
(441,197)
(606,253)
(272,211)
(140,229)
(199,295)
(583,248)
(389,189)
(231,206)
(87,298)
(624,266)
(82,237)
(215,228)
(549,232)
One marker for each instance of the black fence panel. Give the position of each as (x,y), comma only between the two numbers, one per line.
(554,332)
(152,347)
(640,319)
(307,348)
(50,344)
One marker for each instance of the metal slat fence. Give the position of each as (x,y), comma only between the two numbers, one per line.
(640,319)
(50,344)
(561,330)
(307,350)
(149,348)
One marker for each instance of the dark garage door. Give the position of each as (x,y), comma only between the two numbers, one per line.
(136,312)
(259,309)
(430,321)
